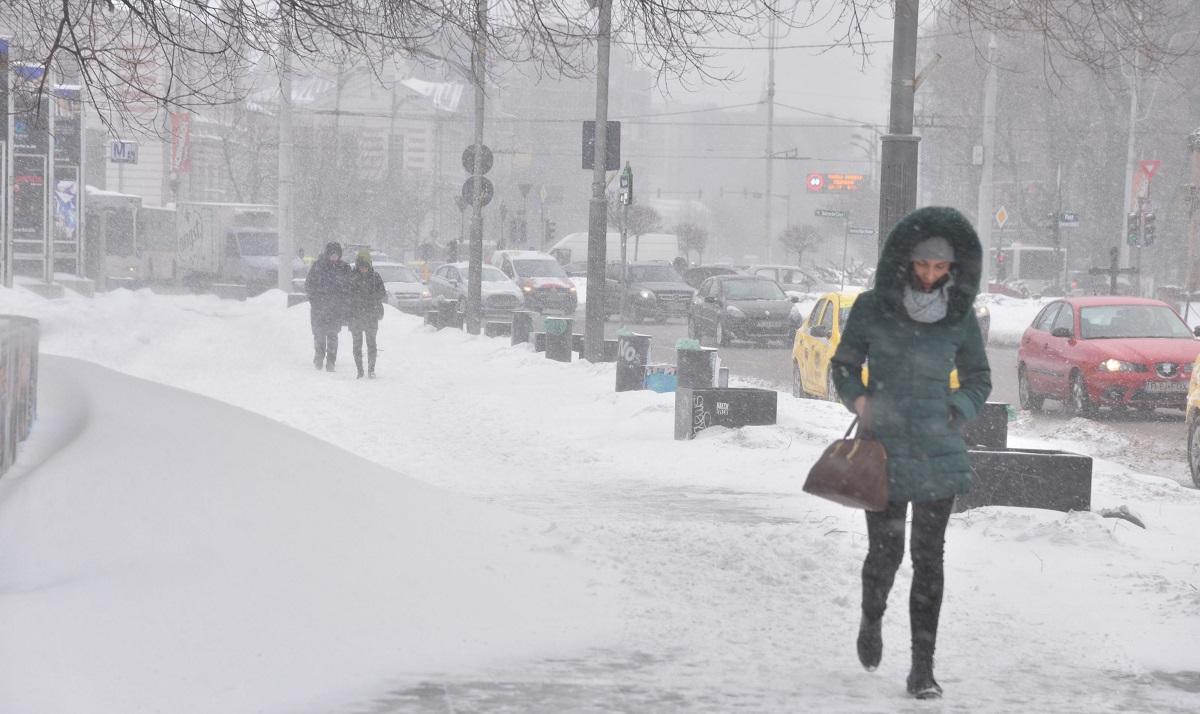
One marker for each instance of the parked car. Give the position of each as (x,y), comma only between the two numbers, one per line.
(818,337)
(500,295)
(578,269)
(542,281)
(742,307)
(652,290)
(697,275)
(792,279)
(1111,351)
(404,289)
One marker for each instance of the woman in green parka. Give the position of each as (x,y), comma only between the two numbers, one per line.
(916,326)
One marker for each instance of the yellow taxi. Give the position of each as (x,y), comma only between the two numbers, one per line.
(1192,418)
(815,342)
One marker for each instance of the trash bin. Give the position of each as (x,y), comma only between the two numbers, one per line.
(696,367)
(633,353)
(558,338)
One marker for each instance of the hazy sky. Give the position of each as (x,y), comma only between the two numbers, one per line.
(832,81)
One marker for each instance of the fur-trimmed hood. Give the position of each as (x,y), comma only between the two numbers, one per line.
(891,275)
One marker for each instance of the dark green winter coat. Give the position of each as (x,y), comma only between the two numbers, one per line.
(913,411)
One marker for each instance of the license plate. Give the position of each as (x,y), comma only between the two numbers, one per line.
(770,323)
(1166,387)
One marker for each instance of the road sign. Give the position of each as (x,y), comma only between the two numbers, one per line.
(485,158)
(815,182)
(829,213)
(1001,217)
(1150,167)
(857,231)
(1068,219)
(612,145)
(123,152)
(626,185)
(487,190)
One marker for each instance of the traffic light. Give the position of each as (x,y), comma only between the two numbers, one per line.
(1133,229)
(1147,228)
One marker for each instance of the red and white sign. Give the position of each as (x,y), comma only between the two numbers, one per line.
(1150,167)
(815,182)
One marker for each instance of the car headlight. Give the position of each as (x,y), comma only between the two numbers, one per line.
(426,294)
(646,295)
(981,312)
(571,289)
(734,311)
(1116,365)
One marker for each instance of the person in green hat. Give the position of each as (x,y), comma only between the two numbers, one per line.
(367,295)
(916,325)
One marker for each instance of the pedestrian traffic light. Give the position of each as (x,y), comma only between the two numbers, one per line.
(1133,229)
(551,229)
(1147,228)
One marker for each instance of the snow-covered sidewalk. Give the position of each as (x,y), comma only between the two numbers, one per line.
(711,582)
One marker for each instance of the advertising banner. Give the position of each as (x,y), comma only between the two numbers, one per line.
(66,197)
(181,143)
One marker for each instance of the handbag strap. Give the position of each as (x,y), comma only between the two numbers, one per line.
(851,429)
(863,432)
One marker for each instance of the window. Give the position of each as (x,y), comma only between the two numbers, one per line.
(653,274)
(1065,318)
(765,273)
(1131,321)
(753,289)
(814,316)
(1046,318)
(827,319)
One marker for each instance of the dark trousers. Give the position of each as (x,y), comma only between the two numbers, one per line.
(885,531)
(370,332)
(326,348)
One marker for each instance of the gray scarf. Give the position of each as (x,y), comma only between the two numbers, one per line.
(927,307)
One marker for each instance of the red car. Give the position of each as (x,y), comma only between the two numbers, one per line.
(1106,351)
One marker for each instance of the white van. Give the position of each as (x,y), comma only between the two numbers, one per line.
(649,246)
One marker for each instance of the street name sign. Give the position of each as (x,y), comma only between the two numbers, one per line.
(829,213)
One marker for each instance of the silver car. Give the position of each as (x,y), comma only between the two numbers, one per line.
(405,290)
(500,295)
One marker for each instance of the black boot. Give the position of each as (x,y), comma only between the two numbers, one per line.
(921,684)
(870,642)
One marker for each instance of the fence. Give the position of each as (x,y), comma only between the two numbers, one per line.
(18,383)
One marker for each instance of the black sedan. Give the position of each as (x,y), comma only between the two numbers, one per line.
(729,307)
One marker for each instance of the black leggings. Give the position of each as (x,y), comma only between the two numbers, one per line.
(885,529)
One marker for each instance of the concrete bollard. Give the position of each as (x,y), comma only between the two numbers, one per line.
(697,409)
(558,338)
(522,326)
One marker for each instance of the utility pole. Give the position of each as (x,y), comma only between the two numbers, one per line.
(286,239)
(985,207)
(1130,152)
(598,206)
(474,316)
(898,164)
(770,136)
(1193,196)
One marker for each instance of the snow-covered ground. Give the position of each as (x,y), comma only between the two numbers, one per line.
(201,522)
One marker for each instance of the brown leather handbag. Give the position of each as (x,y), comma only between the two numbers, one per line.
(852,472)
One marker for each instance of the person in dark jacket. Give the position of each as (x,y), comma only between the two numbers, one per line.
(916,326)
(327,286)
(367,296)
